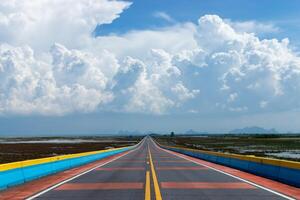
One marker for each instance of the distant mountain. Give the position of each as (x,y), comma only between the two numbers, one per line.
(192,132)
(253,130)
(122,132)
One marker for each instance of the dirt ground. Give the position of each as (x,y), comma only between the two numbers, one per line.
(11,152)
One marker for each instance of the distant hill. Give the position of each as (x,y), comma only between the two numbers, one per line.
(253,130)
(125,132)
(192,132)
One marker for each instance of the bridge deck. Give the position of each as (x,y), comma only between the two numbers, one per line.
(150,172)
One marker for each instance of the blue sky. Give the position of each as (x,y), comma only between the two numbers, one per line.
(141,15)
(148,65)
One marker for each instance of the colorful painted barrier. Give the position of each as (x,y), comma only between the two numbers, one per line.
(16,173)
(284,171)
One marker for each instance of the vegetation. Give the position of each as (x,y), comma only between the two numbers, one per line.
(283,146)
(18,149)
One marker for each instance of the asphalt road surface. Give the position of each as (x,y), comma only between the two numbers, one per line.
(149,173)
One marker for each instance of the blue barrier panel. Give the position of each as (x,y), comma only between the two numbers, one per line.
(36,171)
(21,175)
(268,171)
(222,160)
(11,178)
(285,175)
(239,164)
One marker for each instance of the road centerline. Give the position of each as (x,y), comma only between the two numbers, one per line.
(154,177)
(147,187)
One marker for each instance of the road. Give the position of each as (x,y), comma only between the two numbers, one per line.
(149,173)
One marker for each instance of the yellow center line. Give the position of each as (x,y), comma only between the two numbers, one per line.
(155,181)
(147,187)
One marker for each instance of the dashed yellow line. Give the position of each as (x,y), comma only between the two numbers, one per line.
(155,181)
(147,187)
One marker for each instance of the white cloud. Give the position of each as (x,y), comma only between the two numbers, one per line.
(164,16)
(236,64)
(41,23)
(73,83)
(232,97)
(183,93)
(56,66)
(138,44)
(145,86)
(238,109)
(263,104)
(34,80)
(253,27)
(137,91)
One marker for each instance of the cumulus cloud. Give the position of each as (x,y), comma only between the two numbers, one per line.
(147,86)
(56,66)
(39,73)
(71,83)
(137,90)
(41,23)
(138,43)
(243,69)
(254,27)
(183,93)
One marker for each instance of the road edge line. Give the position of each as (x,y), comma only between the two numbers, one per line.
(78,175)
(241,179)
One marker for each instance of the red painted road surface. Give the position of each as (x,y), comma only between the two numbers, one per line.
(149,172)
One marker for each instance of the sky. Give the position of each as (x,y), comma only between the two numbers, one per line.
(100,66)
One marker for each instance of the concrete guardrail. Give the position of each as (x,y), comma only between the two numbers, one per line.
(16,173)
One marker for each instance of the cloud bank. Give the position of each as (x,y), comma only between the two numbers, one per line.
(51,64)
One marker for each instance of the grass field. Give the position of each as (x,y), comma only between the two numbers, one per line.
(18,149)
(275,146)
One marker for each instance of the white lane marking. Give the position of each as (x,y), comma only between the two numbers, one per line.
(241,179)
(85,172)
